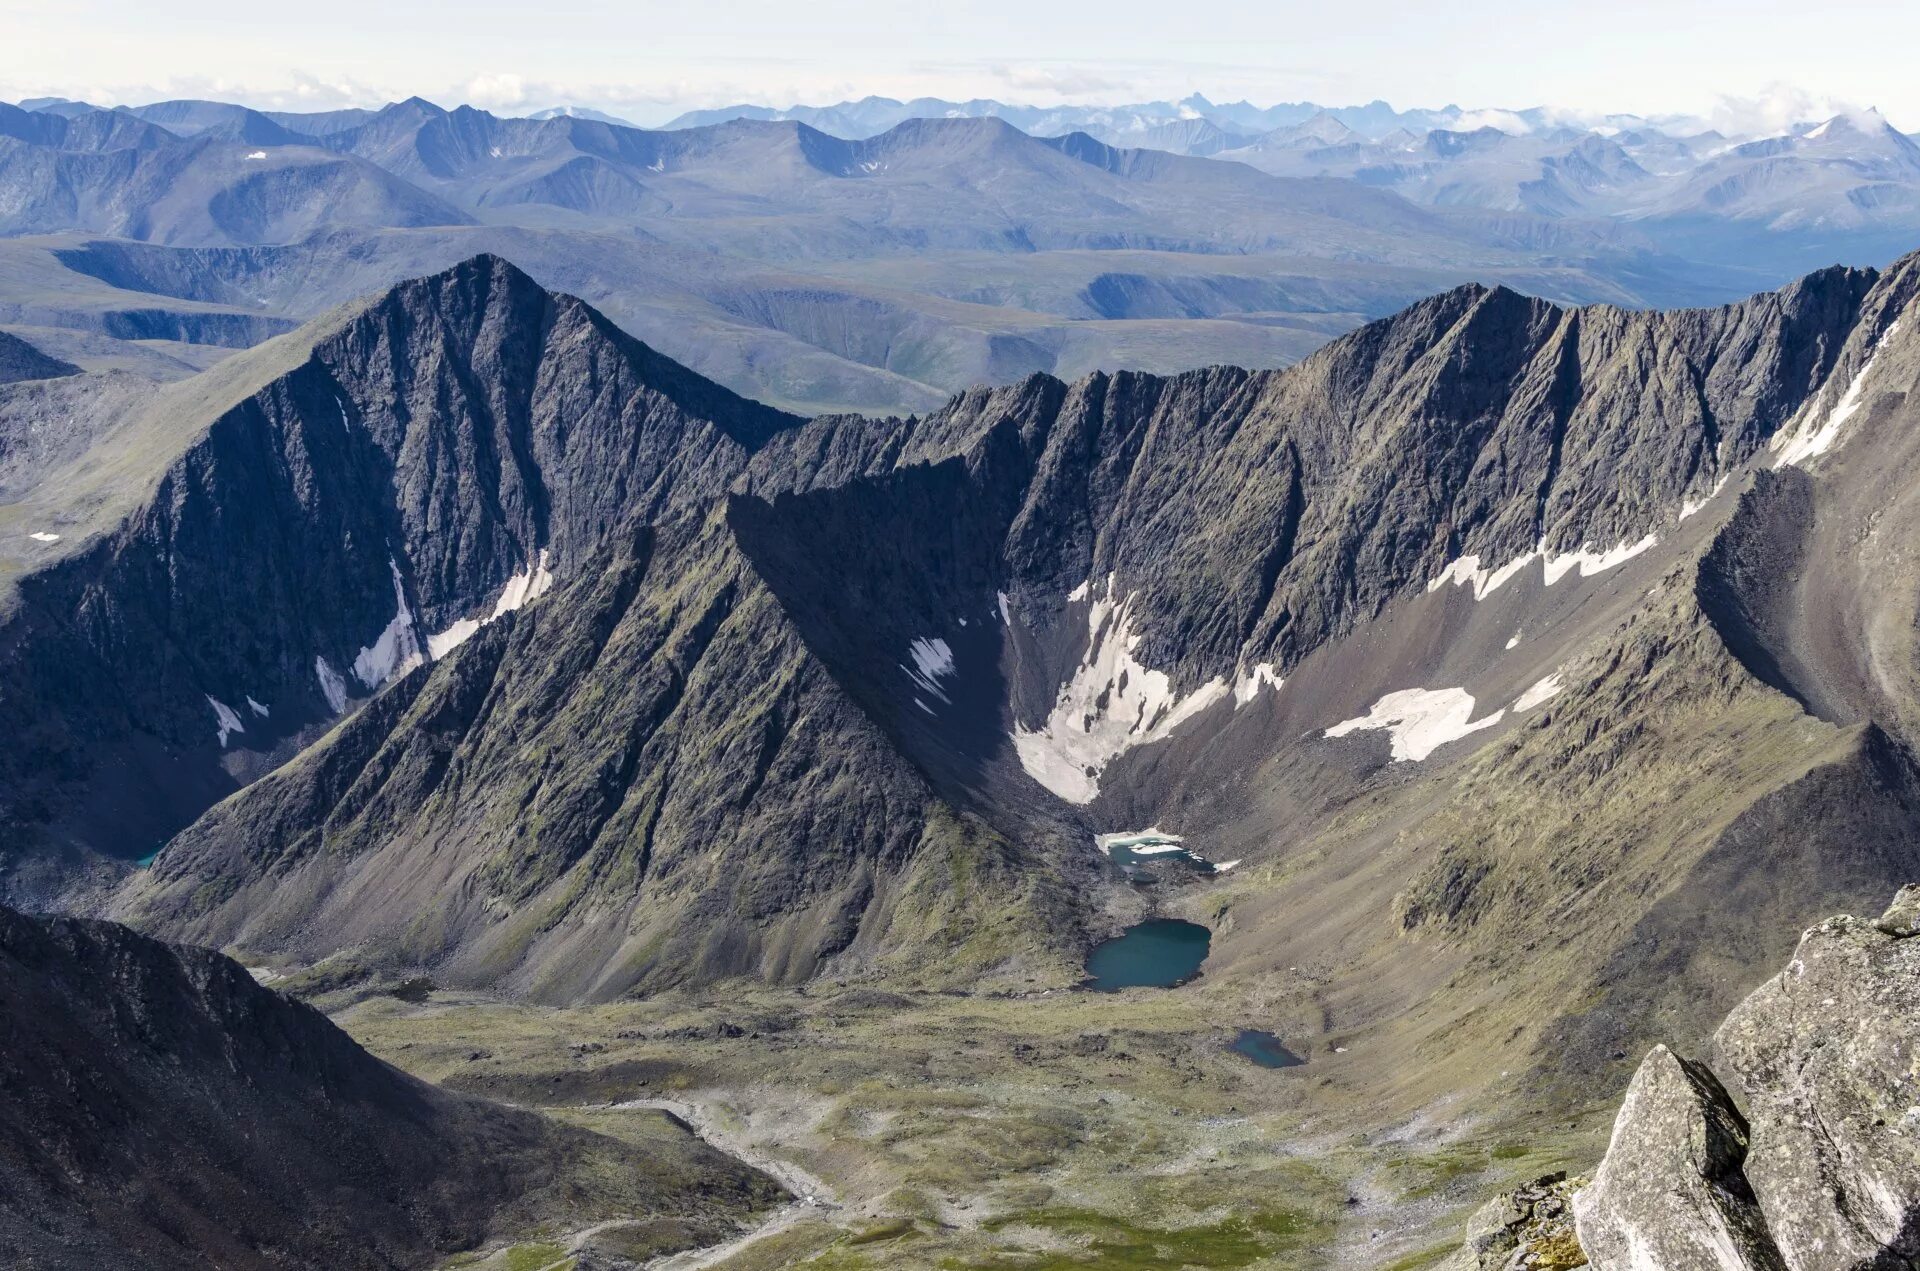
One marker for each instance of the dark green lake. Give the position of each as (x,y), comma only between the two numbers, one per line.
(1264,1049)
(1159,953)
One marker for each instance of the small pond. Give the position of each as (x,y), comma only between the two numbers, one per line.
(1159,953)
(1264,1049)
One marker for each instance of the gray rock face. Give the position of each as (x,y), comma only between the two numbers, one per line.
(1243,517)
(1823,1171)
(1670,1194)
(1826,1057)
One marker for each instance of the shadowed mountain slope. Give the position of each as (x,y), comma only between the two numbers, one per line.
(234,560)
(165,1111)
(1229,602)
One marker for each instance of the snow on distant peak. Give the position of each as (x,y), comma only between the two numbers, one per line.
(41,536)
(1111,704)
(258,154)
(1420,720)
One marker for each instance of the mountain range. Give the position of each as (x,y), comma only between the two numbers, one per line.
(460,638)
(884,271)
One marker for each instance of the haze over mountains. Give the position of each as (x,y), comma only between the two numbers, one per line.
(883,269)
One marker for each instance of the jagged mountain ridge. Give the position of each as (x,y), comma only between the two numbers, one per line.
(280,538)
(1023,591)
(163,1110)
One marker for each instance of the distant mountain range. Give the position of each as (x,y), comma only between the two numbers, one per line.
(879,271)
(1124,125)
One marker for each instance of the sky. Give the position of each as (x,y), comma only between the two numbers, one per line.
(1731,63)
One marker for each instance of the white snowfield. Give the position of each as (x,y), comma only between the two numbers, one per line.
(1541,692)
(397,650)
(1420,720)
(41,536)
(1111,704)
(1812,439)
(932,662)
(226,719)
(332,686)
(1467,571)
(1692,507)
(535,581)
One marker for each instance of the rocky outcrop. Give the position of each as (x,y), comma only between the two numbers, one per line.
(1527,1229)
(159,1110)
(1809,1157)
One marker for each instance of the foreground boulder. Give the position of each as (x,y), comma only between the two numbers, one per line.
(1822,1173)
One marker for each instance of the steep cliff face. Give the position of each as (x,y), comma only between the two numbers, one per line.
(229,568)
(1041,612)
(1810,1161)
(646,778)
(162,1110)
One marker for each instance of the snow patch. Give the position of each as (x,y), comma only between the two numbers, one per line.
(226,718)
(1248,686)
(257,708)
(258,154)
(1467,572)
(445,642)
(1543,691)
(1809,440)
(521,588)
(1692,507)
(1082,591)
(41,536)
(1420,720)
(1111,704)
(1006,614)
(535,582)
(932,662)
(332,687)
(1590,562)
(397,651)
(1513,641)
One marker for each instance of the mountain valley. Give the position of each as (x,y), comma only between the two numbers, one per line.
(942,684)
